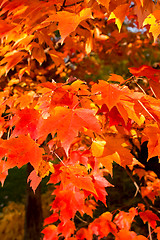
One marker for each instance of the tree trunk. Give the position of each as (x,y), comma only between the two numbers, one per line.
(33,215)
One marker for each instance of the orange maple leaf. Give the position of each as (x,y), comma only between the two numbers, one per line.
(78,175)
(119,14)
(124,234)
(125,219)
(106,93)
(19,151)
(67,122)
(68,202)
(71,22)
(111,149)
(103,225)
(34,180)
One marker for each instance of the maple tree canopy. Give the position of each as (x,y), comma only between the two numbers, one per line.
(74,129)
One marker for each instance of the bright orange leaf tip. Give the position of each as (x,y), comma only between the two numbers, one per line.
(129,235)
(3,174)
(139,3)
(50,232)
(116,78)
(119,14)
(34,180)
(125,235)
(157,230)
(10,60)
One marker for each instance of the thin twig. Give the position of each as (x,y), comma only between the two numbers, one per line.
(60,159)
(73,4)
(134,182)
(149,230)
(138,189)
(63,5)
(141,88)
(153,92)
(81,219)
(147,111)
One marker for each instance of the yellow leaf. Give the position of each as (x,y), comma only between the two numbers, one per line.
(153,21)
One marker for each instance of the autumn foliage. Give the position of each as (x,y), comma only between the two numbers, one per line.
(72,129)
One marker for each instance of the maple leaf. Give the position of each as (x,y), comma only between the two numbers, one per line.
(84,233)
(11,59)
(51,219)
(124,220)
(34,180)
(5,28)
(152,132)
(141,14)
(68,202)
(119,14)
(78,175)
(20,151)
(104,3)
(39,54)
(67,122)
(110,94)
(100,183)
(25,121)
(155,88)
(111,149)
(66,229)
(79,156)
(146,71)
(3,174)
(153,20)
(103,225)
(116,78)
(157,230)
(113,115)
(125,235)
(149,216)
(25,100)
(72,20)
(50,233)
